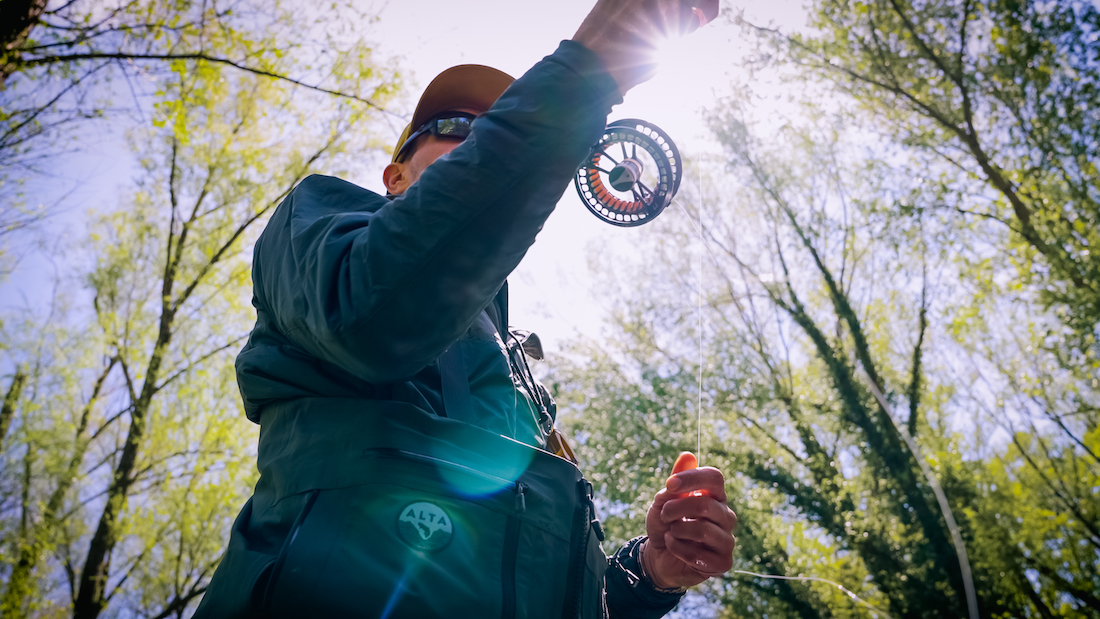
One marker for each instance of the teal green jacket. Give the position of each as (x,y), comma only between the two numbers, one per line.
(358,295)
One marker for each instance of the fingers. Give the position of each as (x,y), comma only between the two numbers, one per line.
(707,10)
(694,14)
(707,480)
(699,508)
(626,33)
(704,534)
(685,462)
(706,559)
(686,19)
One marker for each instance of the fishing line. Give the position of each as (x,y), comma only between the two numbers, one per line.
(816,579)
(698,226)
(699,311)
(630,176)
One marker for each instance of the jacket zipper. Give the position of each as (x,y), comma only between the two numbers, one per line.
(511,550)
(585,523)
(576,569)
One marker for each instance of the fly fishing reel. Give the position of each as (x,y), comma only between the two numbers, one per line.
(631,174)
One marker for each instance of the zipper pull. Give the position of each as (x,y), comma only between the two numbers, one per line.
(589,496)
(521,500)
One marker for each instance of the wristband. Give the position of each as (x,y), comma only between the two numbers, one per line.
(629,560)
(648,578)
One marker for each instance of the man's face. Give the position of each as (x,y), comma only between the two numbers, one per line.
(427,150)
(400,176)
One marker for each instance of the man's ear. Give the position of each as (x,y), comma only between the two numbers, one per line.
(397,178)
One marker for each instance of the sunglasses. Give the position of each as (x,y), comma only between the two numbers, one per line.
(449,125)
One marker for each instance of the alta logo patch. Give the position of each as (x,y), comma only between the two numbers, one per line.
(425,526)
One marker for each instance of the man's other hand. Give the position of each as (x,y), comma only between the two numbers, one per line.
(690,527)
(626,33)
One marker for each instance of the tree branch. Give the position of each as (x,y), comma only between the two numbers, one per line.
(56,59)
(180,602)
(173,377)
(216,258)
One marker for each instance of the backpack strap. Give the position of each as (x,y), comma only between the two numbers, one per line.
(498,312)
(457,402)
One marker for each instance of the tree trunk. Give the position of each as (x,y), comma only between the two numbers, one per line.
(10,400)
(17,19)
(91,595)
(34,544)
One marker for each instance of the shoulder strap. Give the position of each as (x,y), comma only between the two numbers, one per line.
(457,403)
(498,312)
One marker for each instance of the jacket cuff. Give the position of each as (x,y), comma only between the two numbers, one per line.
(585,63)
(629,592)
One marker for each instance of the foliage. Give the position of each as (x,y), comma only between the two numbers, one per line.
(1001,91)
(815,295)
(66,63)
(126,460)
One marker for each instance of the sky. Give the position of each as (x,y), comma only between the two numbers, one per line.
(551,292)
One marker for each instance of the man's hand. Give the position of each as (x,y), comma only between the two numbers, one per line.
(625,33)
(690,527)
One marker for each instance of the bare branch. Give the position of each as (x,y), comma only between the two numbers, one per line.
(199,361)
(46,60)
(180,602)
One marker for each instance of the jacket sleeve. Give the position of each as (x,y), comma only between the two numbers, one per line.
(383,294)
(629,593)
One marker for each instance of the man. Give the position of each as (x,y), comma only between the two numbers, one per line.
(407,457)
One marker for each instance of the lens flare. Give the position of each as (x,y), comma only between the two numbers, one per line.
(674,53)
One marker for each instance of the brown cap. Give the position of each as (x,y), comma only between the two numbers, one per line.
(468,86)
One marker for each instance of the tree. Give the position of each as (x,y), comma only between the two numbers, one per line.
(817,296)
(69,62)
(998,91)
(15,390)
(137,460)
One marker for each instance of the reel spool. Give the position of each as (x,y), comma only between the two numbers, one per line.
(631,174)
